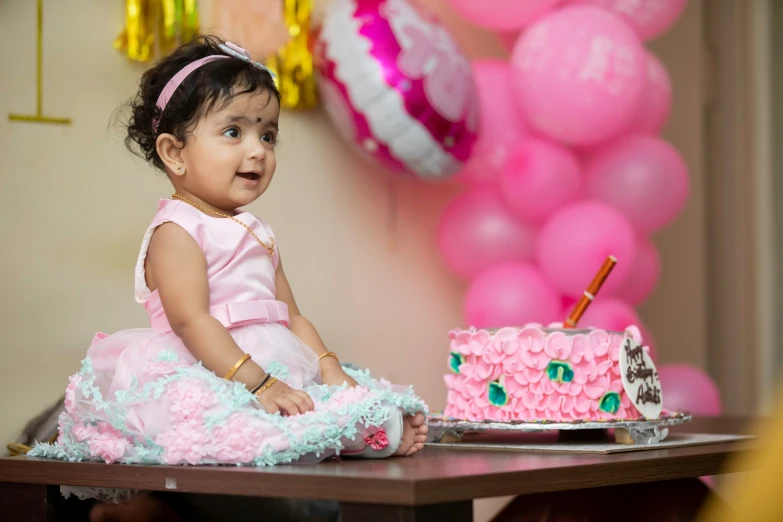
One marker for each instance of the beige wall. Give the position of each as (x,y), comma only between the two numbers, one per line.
(677,311)
(74,206)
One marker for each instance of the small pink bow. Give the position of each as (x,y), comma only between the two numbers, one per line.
(241,53)
(377,440)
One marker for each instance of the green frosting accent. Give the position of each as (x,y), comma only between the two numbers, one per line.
(610,402)
(497,394)
(559,371)
(456,361)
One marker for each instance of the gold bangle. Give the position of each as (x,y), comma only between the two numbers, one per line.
(236,367)
(328,354)
(266,386)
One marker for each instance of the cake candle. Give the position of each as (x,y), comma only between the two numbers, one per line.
(590,293)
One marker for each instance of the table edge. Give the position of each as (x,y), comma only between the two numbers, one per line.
(431,491)
(410,492)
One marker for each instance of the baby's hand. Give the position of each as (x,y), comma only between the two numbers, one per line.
(281,397)
(337,377)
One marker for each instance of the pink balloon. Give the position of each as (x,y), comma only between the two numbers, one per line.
(614,313)
(511,294)
(654,109)
(580,75)
(503,15)
(644,274)
(685,387)
(539,177)
(643,177)
(476,231)
(649,18)
(500,127)
(509,39)
(568,303)
(649,341)
(657,99)
(575,242)
(609,313)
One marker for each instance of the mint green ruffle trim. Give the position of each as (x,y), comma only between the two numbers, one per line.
(278,370)
(322,435)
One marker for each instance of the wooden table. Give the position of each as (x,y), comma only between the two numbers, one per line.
(437,484)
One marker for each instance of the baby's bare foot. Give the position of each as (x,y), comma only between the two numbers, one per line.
(414,434)
(419,423)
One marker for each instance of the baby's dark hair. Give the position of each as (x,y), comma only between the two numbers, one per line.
(211,86)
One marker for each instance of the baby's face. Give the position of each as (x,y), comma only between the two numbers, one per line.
(230,156)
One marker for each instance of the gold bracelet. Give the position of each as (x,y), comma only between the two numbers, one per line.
(236,367)
(328,354)
(266,386)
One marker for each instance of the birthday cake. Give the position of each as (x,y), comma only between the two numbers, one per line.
(540,374)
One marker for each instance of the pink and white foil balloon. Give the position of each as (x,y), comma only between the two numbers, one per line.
(579,74)
(649,18)
(396,84)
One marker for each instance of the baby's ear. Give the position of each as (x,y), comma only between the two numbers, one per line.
(169,150)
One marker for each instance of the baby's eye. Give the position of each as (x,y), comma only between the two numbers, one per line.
(233,132)
(269,137)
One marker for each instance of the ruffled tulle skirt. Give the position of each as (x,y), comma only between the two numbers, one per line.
(141,397)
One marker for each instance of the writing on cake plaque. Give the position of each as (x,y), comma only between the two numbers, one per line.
(640,379)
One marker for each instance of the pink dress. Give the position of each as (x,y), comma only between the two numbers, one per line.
(141,397)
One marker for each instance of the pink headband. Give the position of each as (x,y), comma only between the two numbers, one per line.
(168,91)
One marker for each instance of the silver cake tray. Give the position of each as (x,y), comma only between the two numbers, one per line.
(626,431)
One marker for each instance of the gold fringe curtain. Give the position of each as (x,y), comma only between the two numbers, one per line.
(156,27)
(293,64)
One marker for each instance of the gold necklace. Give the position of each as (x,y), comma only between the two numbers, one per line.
(270,248)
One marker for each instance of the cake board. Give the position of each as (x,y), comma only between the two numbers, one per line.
(626,431)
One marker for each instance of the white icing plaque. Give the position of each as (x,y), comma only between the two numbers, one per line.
(640,379)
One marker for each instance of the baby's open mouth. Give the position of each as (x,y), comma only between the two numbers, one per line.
(252,176)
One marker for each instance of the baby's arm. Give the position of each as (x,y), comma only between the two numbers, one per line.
(331,371)
(176,266)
